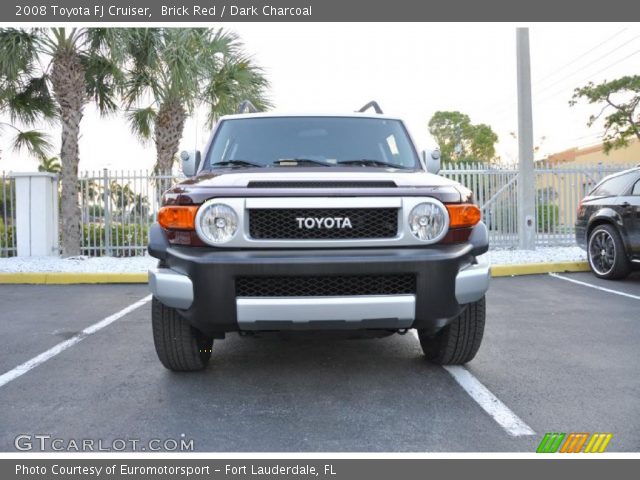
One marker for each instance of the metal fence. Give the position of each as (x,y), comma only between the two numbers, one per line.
(7,216)
(559,189)
(117,209)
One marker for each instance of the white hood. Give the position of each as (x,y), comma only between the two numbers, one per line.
(403,179)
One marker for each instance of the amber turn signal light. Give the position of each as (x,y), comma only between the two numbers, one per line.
(463,215)
(178,217)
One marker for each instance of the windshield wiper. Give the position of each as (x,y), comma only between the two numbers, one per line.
(236,163)
(300,161)
(366,162)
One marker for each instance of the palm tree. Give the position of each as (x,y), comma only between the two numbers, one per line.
(51,165)
(140,205)
(173,71)
(121,195)
(58,71)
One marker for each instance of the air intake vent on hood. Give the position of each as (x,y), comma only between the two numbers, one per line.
(317,184)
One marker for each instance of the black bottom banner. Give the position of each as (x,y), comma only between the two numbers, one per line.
(339,469)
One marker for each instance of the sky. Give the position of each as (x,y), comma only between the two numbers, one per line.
(412,70)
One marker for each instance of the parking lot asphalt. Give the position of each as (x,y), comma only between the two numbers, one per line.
(562,356)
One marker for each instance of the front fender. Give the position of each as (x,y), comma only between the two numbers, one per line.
(158,242)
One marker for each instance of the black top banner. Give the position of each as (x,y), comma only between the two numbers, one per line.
(203,11)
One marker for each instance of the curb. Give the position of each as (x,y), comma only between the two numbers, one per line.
(69,278)
(537,268)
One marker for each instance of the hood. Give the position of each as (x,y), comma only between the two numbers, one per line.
(241,178)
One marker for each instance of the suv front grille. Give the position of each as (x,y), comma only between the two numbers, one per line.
(325,286)
(285,224)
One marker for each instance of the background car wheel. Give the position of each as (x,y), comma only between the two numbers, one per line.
(606,253)
(179,346)
(459,341)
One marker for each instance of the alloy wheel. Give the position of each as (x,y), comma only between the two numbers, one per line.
(602,252)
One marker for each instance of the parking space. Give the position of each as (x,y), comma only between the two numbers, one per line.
(559,355)
(627,287)
(34,318)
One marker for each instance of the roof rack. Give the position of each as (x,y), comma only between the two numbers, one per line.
(247,107)
(372,104)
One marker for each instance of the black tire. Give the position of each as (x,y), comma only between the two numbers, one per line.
(458,342)
(179,346)
(606,253)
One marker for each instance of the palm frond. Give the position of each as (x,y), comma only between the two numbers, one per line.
(103,78)
(181,64)
(35,142)
(236,80)
(51,165)
(18,55)
(141,122)
(30,104)
(110,42)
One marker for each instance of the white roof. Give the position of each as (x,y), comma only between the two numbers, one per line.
(280,115)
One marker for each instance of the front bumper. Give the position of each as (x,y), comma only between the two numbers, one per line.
(200,282)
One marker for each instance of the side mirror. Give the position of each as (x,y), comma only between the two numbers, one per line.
(190,161)
(431,161)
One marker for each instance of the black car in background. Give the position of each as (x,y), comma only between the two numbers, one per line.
(608,225)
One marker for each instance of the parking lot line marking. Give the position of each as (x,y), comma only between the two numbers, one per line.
(608,290)
(502,414)
(62,346)
(491,404)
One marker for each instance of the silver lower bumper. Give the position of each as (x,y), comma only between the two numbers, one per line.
(386,311)
(472,282)
(170,287)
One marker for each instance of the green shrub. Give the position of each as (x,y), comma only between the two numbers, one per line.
(132,237)
(548,217)
(7,239)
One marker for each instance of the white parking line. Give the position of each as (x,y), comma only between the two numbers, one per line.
(62,346)
(608,290)
(491,404)
(502,414)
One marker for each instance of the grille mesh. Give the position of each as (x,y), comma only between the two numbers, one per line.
(318,184)
(282,224)
(325,286)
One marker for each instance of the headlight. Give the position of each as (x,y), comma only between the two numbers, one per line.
(428,221)
(216,222)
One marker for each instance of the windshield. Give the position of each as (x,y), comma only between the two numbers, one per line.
(312,142)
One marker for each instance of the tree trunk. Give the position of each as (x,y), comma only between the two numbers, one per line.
(67,78)
(168,129)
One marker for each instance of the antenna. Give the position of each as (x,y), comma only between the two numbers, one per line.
(372,104)
(247,107)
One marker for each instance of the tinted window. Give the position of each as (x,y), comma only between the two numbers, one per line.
(614,186)
(329,140)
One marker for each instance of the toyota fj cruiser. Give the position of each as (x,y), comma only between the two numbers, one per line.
(316,222)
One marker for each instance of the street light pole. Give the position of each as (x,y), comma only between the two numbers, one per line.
(526,178)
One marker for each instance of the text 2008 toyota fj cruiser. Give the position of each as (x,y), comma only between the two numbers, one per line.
(320,222)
